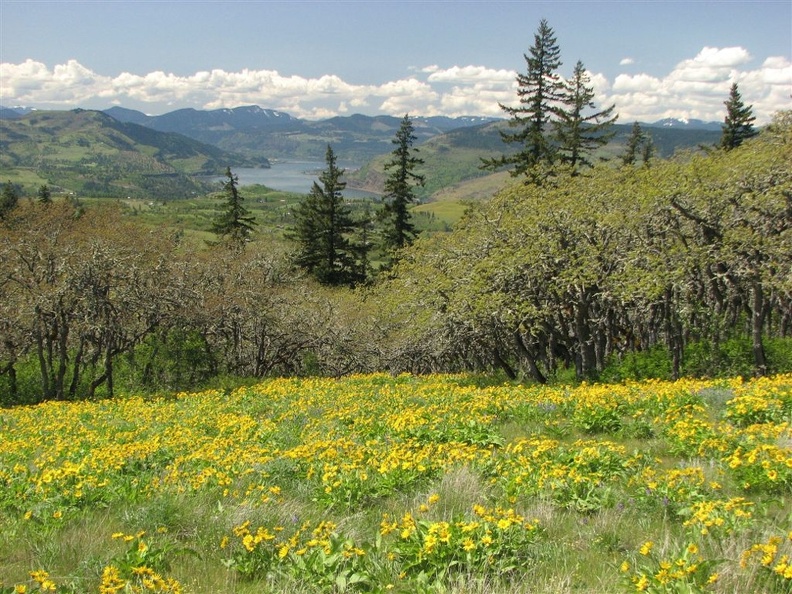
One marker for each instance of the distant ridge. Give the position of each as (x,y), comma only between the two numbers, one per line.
(254,130)
(90,152)
(691,124)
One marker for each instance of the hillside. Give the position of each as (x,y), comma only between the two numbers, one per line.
(89,152)
(452,159)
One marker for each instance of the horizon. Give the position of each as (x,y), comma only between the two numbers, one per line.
(27,109)
(653,60)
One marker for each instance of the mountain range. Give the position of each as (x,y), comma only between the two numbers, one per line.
(256,132)
(126,152)
(253,130)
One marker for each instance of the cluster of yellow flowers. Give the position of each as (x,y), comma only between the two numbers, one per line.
(717,447)
(775,556)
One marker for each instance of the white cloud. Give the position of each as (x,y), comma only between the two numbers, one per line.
(626,62)
(470,74)
(695,88)
(626,83)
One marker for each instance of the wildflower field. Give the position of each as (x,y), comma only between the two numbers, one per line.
(403,484)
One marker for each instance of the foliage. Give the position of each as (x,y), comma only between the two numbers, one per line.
(8,199)
(688,260)
(639,141)
(540,89)
(577,132)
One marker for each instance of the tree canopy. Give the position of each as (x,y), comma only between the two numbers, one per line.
(540,90)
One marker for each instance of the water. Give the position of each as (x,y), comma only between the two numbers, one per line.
(295,176)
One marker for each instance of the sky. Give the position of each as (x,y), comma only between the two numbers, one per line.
(315,59)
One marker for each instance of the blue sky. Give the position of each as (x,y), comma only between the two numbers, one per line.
(317,58)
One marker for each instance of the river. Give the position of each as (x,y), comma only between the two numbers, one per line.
(294,176)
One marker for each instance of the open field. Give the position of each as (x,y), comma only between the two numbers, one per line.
(403,484)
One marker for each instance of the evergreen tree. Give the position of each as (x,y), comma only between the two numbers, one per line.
(738,124)
(44,195)
(8,199)
(322,225)
(577,132)
(647,149)
(634,142)
(540,90)
(399,195)
(234,221)
(361,244)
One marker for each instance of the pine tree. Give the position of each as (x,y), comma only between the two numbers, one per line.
(321,229)
(44,195)
(234,221)
(540,90)
(634,142)
(399,188)
(8,199)
(577,132)
(738,124)
(647,149)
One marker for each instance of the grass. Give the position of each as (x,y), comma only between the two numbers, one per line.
(403,484)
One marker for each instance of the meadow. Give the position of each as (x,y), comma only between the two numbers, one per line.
(377,483)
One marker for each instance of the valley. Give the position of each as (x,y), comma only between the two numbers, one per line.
(123,153)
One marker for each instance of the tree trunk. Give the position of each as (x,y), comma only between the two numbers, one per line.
(757,323)
(504,365)
(530,358)
(587,352)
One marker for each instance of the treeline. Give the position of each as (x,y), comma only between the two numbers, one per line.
(679,257)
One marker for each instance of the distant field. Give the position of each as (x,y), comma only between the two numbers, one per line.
(403,484)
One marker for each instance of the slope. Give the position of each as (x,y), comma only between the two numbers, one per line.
(89,152)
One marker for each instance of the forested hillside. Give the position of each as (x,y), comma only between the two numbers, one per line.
(678,267)
(454,157)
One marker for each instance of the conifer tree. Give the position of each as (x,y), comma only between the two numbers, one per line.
(540,90)
(647,149)
(579,132)
(399,188)
(44,195)
(738,123)
(322,226)
(633,144)
(234,221)
(8,199)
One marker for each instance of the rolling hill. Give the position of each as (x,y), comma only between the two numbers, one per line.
(452,159)
(90,152)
